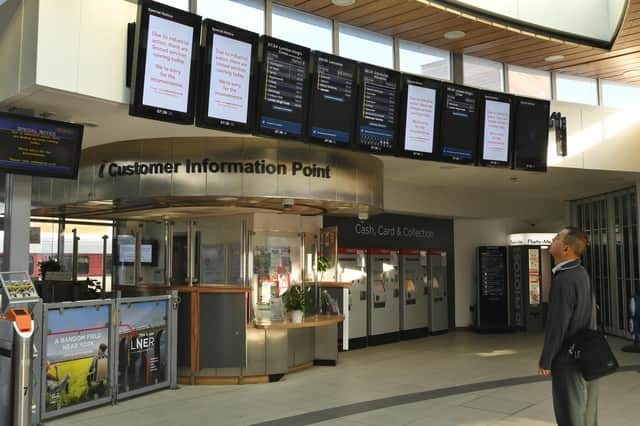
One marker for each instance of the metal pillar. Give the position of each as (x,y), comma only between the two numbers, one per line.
(16,223)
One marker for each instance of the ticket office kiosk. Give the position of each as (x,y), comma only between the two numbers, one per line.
(353,268)
(414,296)
(384,297)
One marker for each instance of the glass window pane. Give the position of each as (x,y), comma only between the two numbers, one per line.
(247,14)
(619,95)
(178,4)
(576,89)
(419,59)
(302,28)
(366,46)
(529,82)
(482,73)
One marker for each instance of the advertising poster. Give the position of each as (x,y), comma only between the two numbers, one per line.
(77,356)
(534,277)
(142,345)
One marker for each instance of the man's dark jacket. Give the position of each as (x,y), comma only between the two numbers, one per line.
(570,309)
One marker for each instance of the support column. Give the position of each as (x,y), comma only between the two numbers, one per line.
(16,223)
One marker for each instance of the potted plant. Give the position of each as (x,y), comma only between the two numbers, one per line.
(323,265)
(50,264)
(294,303)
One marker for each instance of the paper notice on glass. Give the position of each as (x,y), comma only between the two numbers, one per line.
(230,78)
(168,65)
(420,119)
(496,131)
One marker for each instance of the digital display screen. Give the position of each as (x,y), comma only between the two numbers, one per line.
(39,147)
(531,134)
(127,253)
(332,99)
(419,116)
(166,53)
(496,129)
(459,124)
(377,109)
(283,89)
(227,84)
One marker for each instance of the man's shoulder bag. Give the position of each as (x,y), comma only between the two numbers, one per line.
(592,353)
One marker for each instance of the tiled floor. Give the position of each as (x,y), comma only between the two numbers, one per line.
(417,382)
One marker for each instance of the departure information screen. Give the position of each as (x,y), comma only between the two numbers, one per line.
(377,109)
(39,147)
(496,129)
(332,99)
(459,124)
(531,134)
(419,118)
(283,91)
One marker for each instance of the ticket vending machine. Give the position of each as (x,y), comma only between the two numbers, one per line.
(414,296)
(384,297)
(437,281)
(352,267)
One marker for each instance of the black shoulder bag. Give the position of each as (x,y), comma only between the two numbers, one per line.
(592,353)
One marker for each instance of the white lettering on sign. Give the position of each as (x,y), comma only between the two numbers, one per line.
(392,231)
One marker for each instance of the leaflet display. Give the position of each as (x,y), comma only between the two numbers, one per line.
(458,134)
(377,109)
(38,147)
(419,111)
(227,89)
(332,99)
(497,112)
(531,134)
(283,89)
(166,52)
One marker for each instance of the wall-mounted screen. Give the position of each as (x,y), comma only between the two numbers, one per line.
(419,116)
(283,93)
(148,253)
(458,135)
(531,134)
(38,147)
(333,99)
(227,88)
(166,52)
(495,129)
(377,109)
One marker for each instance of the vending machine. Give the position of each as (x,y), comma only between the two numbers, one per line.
(437,282)
(384,297)
(352,267)
(414,294)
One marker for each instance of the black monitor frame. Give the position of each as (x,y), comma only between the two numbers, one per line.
(35,171)
(443,129)
(154,253)
(483,96)
(209,28)
(136,107)
(406,81)
(527,163)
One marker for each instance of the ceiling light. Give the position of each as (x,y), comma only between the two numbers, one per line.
(343,3)
(554,58)
(454,35)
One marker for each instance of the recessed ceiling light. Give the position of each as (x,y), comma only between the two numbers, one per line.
(554,58)
(454,35)
(343,3)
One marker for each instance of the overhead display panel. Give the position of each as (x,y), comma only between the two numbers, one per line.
(377,109)
(227,88)
(38,147)
(333,100)
(495,129)
(419,116)
(166,52)
(283,93)
(458,133)
(531,134)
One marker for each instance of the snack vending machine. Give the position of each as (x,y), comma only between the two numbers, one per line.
(438,302)
(352,267)
(414,296)
(384,296)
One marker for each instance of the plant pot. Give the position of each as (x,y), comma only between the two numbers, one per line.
(296,316)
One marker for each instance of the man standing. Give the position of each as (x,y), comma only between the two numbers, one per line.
(575,401)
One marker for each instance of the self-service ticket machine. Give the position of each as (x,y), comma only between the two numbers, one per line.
(352,266)
(414,296)
(384,297)
(438,301)
(16,349)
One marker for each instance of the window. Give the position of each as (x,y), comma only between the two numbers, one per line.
(83,264)
(247,14)
(178,4)
(482,73)
(302,28)
(366,46)
(529,82)
(620,95)
(419,59)
(576,89)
